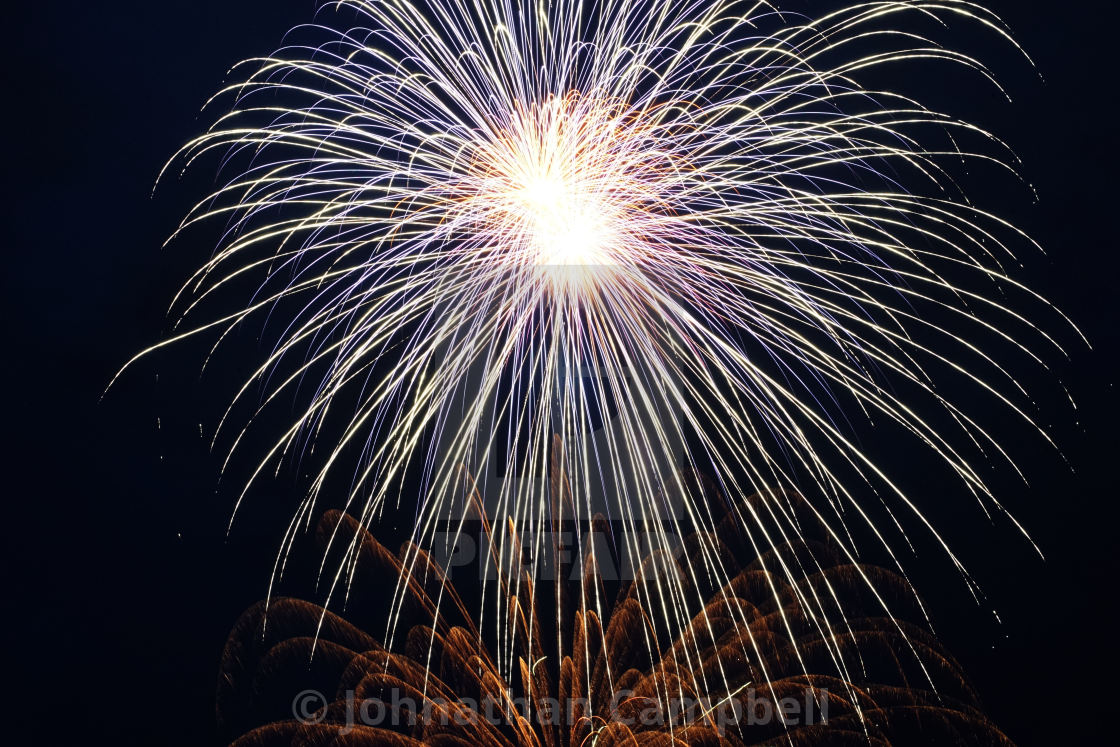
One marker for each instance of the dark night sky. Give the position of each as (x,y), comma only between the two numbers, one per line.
(121,584)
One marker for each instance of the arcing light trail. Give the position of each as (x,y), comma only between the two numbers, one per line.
(696,204)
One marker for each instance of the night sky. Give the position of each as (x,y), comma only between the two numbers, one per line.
(121,582)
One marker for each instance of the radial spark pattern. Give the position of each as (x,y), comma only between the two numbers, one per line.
(718,681)
(477,226)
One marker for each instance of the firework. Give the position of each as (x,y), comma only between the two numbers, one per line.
(666,234)
(443,685)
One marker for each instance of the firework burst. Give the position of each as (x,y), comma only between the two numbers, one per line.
(592,684)
(485,225)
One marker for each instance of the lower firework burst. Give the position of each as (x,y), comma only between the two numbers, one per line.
(754,665)
(674,235)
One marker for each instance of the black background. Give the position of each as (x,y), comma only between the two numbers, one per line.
(121,582)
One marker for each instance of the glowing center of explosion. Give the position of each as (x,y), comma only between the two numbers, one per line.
(555,191)
(565,228)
